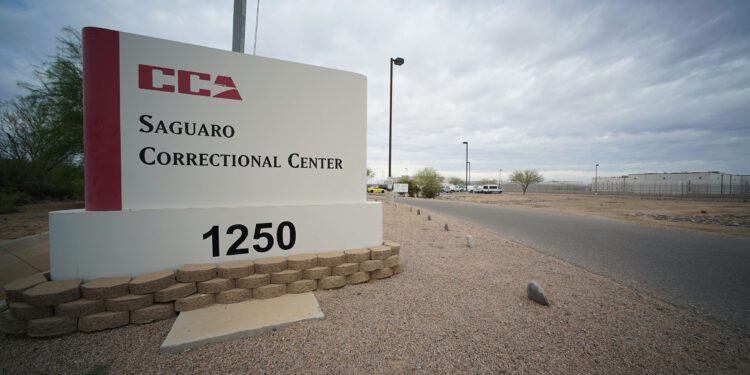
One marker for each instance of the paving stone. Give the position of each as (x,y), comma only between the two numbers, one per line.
(22,310)
(269,291)
(357,255)
(215,285)
(380,252)
(234,295)
(236,269)
(173,292)
(381,273)
(103,320)
(254,281)
(331,259)
(104,288)
(152,282)
(14,289)
(51,293)
(129,302)
(10,325)
(370,265)
(80,307)
(391,261)
(397,269)
(286,276)
(316,273)
(196,272)
(269,265)
(358,277)
(535,292)
(302,261)
(345,269)
(301,286)
(157,311)
(193,302)
(332,282)
(396,247)
(51,326)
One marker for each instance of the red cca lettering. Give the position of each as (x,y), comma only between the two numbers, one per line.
(146,82)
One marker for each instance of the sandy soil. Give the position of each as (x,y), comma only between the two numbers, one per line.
(708,216)
(454,309)
(31,219)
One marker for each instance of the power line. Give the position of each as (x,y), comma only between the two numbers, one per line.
(257,11)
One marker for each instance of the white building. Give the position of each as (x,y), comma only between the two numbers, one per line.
(679,183)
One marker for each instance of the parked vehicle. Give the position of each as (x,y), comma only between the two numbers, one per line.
(472,189)
(375,190)
(449,189)
(490,189)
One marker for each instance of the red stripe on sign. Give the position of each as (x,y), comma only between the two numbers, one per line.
(101,119)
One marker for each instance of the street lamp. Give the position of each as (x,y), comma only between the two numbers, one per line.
(398,61)
(467,167)
(596,179)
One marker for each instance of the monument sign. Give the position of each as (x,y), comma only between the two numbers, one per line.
(194,154)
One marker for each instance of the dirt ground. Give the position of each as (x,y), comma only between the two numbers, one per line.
(454,309)
(726,217)
(31,219)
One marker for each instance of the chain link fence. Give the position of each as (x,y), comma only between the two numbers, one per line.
(675,189)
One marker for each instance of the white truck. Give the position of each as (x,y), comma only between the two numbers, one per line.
(489,189)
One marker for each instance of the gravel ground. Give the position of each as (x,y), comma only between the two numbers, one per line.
(454,309)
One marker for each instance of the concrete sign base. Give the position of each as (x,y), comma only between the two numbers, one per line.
(92,244)
(219,323)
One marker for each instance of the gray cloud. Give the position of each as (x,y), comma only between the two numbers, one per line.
(637,86)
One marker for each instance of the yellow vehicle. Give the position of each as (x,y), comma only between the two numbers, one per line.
(375,190)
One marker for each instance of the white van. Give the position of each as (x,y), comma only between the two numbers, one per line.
(490,189)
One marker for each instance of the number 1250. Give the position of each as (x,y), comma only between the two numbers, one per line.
(286,236)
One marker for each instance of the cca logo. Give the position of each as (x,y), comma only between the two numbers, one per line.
(146,82)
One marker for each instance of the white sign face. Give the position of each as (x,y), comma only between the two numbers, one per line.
(199,155)
(200,127)
(401,188)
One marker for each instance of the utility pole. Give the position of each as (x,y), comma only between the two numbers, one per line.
(238,29)
(466,182)
(596,179)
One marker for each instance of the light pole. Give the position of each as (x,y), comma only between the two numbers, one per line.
(466,182)
(596,179)
(398,61)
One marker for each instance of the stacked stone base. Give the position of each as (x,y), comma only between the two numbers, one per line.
(42,308)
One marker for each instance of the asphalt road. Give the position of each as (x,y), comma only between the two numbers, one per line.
(707,273)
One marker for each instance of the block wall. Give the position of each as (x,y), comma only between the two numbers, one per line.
(42,308)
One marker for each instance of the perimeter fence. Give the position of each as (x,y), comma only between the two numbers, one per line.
(674,190)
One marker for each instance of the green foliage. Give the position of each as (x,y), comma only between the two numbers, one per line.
(60,89)
(370,173)
(9,200)
(429,182)
(41,133)
(526,178)
(413,189)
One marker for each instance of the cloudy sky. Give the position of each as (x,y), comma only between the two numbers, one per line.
(557,86)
